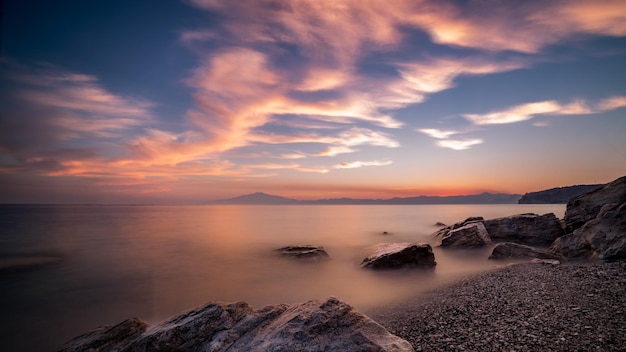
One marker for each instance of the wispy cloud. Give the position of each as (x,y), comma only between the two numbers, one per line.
(357,164)
(439,134)
(527,111)
(461,144)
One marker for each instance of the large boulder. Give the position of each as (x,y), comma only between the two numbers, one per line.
(446,229)
(509,250)
(306,252)
(525,229)
(585,207)
(399,255)
(602,238)
(312,326)
(472,235)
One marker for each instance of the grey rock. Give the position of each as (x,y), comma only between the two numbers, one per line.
(509,250)
(307,252)
(546,261)
(311,326)
(108,338)
(399,255)
(586,206)
(444,231)
(525,228)
(472,235)
(602,238)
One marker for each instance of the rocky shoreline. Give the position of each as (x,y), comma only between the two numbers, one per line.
(577,306)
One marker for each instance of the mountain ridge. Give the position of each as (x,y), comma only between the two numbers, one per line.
(261,198)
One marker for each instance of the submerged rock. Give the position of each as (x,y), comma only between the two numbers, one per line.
(586,206)
(509,250)
(399,255)
(525,228)
(472,235)
(311,326)
(309,253)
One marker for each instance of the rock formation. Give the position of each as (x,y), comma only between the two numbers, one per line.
(307,252)
(472,235)
(312,326)
(509,250)
(586,206)
(525,228)
(399,255)
(601,238)
(444,231)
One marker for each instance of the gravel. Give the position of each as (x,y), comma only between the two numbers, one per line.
(522,307)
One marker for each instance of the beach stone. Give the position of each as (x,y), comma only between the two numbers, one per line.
(472,235)
(586,206)
(445,230)
(602,238)
(399,255)
(525,228)
(509,250)
(330,325)
(307,252)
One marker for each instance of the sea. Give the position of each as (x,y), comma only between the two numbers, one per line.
(67,269)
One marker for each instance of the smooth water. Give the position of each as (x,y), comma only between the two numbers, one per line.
(67,269)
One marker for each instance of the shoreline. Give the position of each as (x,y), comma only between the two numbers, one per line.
(575,306)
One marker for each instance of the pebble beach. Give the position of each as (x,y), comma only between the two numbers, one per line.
(576,306)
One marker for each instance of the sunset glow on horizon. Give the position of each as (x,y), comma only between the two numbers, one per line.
(195,100)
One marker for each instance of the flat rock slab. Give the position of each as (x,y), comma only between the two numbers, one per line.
(329,325)
(400,255)
(306,252)
(508,250)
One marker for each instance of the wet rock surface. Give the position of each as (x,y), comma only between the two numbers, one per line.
(524,307)
(472,235)
(400,255)
(525,228)
(329,325)
(509,250)
(306,252)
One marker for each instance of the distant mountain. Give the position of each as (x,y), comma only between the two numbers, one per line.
(258,198)
(559,195)
(484,198)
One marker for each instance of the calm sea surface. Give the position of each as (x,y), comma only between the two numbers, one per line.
(67,269)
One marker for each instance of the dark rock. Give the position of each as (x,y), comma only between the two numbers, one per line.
(509,250)
(439,223)
(108,338)
(472,235)
(312,326)
(559,195)
(586,206)
(444,231)
(309,253)
(525,228)
(398,255)
(602,238)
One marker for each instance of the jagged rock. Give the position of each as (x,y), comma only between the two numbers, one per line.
(509,250)
(525,228)
(471,235)
(398,255)
(108,338)
(311,326)
(444,231)
(309,253)
(586,206)
(602,238)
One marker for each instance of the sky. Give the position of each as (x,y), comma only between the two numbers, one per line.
(195,100)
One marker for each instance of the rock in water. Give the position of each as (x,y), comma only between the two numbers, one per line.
(399,255)
(309,253)
(472,235)
(509,250)
(525,228)
(601,238)
(312,326)
(444,231)
(586,206)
